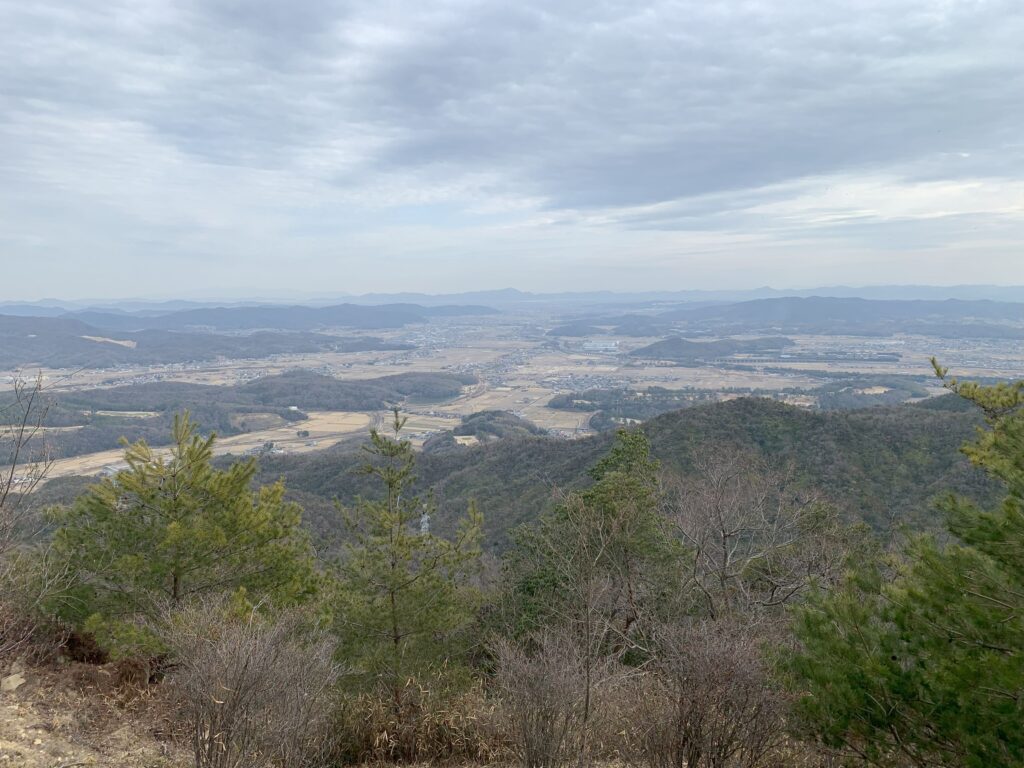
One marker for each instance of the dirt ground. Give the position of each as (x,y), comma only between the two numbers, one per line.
(71,717)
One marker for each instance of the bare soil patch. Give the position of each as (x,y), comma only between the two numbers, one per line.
(81,715)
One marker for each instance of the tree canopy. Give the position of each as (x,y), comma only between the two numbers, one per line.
(403,592)
(172,527)
(924,666)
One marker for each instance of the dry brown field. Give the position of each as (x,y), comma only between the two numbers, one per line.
(326,428)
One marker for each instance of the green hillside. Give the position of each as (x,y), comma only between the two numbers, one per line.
(884,465)
(881,465)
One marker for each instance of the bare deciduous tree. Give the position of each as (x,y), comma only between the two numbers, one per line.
(24,461)
(757,539)
(593,614)
(599,568)
(547,695)
(25,455)
(705,702)
(255,692)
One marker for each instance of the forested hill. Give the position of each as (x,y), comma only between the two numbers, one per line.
(97,419)
(61,342)
(878,465)
(830,315)
(100,339)
(289,318)
(676,348)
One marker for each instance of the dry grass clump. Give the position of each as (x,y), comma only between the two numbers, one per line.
(560,705)
(252,692)
(441,718)
(705,702)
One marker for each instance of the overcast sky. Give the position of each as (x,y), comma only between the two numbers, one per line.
(250,147)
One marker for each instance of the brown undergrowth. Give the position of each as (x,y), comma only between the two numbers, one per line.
(72,714)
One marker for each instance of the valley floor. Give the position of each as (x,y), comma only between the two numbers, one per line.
(324,428)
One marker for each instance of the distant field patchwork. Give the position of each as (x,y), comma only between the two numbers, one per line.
(324,428)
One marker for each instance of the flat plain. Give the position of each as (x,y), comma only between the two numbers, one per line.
(519,368)
(324,428)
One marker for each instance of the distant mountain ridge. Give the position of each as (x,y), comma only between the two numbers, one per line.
(951,318)
(64,342)
(512,296)
(102,338)
(286,318)
(813,308)
(826,315)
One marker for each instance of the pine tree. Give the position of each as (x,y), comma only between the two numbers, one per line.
(166,530)
(927,668)
(403,592)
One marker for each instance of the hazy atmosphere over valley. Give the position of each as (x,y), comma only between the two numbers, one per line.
(563,384)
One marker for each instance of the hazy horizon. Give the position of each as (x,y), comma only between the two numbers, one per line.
(183,150)
(995,292)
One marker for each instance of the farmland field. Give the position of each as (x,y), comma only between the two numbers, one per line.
(518,367)
(325,428)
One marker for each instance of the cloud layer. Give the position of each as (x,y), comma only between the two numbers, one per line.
(229,147)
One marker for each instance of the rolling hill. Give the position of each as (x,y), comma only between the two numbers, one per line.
(276,317)
(683,350)
(63,342)
(881,465)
